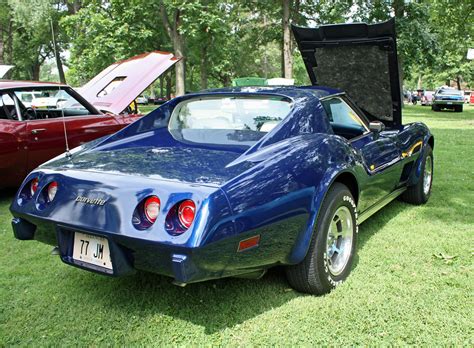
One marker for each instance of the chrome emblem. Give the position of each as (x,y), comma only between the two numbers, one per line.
(93,201)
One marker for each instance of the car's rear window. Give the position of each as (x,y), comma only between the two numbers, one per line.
(239,120)
(449,92)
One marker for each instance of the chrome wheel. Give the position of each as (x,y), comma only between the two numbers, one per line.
(428,175)
(339,241)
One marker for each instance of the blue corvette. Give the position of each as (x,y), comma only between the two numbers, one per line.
(234,181)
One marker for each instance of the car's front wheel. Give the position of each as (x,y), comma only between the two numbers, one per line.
(329,259)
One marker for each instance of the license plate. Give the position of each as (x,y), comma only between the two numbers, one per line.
(449,103)
(92,249)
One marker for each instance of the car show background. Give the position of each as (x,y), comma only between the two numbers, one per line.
(413,282)
(223,40)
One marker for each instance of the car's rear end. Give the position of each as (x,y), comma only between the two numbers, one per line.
(113,224)
(448,98)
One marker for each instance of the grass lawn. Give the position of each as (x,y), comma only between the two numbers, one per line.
(411,283)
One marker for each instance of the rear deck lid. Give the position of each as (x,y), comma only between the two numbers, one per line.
(359,59)
(121,83)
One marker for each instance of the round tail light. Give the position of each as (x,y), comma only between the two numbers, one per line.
(186,213)
(34,186)
(152,208)
(52,189)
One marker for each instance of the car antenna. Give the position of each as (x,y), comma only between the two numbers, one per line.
(68,153)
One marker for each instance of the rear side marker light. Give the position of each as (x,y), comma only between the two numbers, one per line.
(152,208)
(186,213)
(52,189)
(249,243)
(34,186)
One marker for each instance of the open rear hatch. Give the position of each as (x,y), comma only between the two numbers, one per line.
(359,59)
(121,83)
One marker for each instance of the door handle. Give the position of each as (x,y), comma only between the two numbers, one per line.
(37,130)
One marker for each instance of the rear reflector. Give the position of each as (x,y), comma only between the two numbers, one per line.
(52,189)
(34,186)
(249,243)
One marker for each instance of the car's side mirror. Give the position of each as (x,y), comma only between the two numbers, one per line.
(376,126)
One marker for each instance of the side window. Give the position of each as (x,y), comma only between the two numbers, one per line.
(344,121)
(7,108)
(42,103)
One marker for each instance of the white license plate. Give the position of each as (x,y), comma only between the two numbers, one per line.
(92,249)
(449,103)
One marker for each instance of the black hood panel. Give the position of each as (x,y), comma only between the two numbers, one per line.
(359,59)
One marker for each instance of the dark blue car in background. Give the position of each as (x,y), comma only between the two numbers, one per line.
(234,181)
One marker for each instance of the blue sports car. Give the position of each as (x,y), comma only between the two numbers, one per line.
(231,182)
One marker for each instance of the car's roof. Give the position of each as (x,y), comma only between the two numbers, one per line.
(8,84)
(289,91)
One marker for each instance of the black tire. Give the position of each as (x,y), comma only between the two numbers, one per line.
(416,194)
(313,274)
(434,107)
(458,108)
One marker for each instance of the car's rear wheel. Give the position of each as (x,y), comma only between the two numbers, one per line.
(329,259)
(458,108)
(420,193)
(435,107)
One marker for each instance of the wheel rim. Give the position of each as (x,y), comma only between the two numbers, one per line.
(428,175)
(339,241)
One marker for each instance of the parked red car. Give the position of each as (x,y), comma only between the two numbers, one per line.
(35,116)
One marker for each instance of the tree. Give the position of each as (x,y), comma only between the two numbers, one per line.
(287,51)
(173,28)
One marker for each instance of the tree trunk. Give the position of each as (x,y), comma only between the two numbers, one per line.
(204,70)
(419,82)
(178,44)
(57,55)
(287,56)
(168,86)
(2,45)
(458,82)
(265,56)
(172,29)
(35,71)
(398,8)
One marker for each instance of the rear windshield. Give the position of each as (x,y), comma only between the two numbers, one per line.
(236,120)
(449,92)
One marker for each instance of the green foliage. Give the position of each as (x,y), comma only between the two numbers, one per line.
(104,32)
(231,38)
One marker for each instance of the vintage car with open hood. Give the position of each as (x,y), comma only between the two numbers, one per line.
(234,181)
(35,116)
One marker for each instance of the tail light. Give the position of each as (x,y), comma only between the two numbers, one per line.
(52,189)
(152,208)
(34,186)
(186,213)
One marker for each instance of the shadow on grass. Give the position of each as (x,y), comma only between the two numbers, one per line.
(214,305)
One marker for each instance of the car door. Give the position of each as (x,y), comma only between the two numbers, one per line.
(380,153)
(13,160)
(47,137)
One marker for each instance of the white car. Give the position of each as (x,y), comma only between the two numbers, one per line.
(142,100)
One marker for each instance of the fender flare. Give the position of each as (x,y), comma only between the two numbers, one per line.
(416,173)
(303,240)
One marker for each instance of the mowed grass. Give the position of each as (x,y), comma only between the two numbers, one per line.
(411,283)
